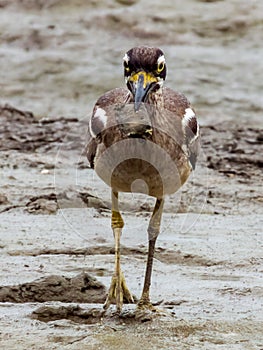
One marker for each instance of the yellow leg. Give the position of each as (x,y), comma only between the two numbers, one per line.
(118,288)
(153,232)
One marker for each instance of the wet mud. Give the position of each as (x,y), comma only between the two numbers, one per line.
(56,244)
(82,288)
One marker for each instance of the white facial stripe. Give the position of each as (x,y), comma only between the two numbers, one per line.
(126,58)
(161,59)
(160,81)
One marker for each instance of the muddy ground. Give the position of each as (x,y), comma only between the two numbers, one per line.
(56,244)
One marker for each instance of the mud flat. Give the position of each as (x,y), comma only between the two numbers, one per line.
(56,246)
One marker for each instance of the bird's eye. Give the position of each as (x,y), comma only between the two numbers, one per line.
(160,67)
(126,66)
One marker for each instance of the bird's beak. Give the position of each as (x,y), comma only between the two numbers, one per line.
(141,84)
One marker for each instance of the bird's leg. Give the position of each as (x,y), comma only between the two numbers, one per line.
(118,288)
(153,231)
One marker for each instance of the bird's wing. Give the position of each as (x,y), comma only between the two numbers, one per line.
(101,118)
(178,104)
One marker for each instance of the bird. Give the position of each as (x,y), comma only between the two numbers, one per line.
(143,137)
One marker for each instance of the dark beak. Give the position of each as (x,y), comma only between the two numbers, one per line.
(141,83)
(140,92)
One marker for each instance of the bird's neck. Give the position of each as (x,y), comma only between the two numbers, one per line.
(156,98)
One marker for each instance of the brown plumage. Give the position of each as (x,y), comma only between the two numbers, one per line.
(144,138)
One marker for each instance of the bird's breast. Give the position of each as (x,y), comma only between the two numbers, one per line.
(140,165)
(142,152)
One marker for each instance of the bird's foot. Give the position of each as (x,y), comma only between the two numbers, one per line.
(145,304)
(144,310)
(117,293)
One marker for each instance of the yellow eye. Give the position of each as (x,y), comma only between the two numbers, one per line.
(160,67)
(126,66)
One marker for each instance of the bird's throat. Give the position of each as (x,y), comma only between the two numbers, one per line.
(134,124)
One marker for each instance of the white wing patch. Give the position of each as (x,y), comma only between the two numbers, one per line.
(101,115)
(190,125)
(90,128)
(189,114)
(191,145)
(97,122)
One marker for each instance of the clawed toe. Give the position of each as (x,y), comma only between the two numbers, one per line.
(117,294)
(144,311)
(143,315)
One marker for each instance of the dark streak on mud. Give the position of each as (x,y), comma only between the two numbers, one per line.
(234,150)
(22,131)
(230,148)
(164,255)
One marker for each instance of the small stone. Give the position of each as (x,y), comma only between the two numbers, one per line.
(45,171)
(3,199)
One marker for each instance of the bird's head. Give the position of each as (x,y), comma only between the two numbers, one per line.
(144,72)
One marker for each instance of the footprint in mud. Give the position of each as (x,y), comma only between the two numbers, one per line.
(70,312)
(92,315)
